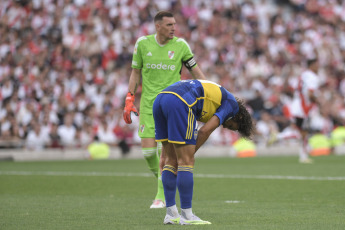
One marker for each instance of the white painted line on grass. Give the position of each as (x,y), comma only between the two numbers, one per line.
(271,177)
(120,174)
(57,173)
(233,201)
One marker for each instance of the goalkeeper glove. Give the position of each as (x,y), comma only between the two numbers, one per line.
(129,107)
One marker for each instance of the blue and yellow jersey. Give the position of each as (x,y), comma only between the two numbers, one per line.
(206,98)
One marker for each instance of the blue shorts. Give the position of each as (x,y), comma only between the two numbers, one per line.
(174,120)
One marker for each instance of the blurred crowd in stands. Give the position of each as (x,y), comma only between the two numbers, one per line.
(65,64)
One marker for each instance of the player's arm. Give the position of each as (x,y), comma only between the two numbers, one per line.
(134,81)
(205,131)
(197,73)
(190,63)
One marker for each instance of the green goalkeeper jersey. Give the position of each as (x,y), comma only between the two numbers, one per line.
(160,66)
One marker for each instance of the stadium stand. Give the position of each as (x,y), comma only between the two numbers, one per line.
(63,60)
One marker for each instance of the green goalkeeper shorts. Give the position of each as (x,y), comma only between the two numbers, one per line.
(146,126)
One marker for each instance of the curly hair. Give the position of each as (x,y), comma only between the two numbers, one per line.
(244,120)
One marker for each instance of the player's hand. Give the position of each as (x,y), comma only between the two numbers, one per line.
(129,107)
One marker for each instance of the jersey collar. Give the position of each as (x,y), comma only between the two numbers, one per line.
(159,43)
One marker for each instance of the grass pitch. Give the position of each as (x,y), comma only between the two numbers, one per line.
(254,193)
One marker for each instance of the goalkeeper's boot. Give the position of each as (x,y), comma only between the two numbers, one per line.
(158,204)
(194,220)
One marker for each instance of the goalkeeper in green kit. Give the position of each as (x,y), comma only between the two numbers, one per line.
(158,59)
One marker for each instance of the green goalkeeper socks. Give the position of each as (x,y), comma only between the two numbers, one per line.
(160,190)
(152,159)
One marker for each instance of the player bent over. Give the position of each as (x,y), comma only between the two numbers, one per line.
(176,111)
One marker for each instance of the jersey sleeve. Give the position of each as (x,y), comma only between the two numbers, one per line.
(228,108)
(137,60)
(187,52)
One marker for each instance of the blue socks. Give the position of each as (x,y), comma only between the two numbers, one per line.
(185,185)
(183,181)
(169,184)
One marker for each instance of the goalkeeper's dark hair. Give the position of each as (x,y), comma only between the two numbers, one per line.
(159,16)
(244,120)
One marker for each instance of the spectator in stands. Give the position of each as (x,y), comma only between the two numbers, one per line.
(6,126)
(266,127)
(54,137)
(257,104)
(26,112)
(36,139)
(106,134)
(53,51)
(67,131)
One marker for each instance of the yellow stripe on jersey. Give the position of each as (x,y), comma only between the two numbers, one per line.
(189,105)
(212,100)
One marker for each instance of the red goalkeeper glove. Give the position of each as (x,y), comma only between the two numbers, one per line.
(129,107)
